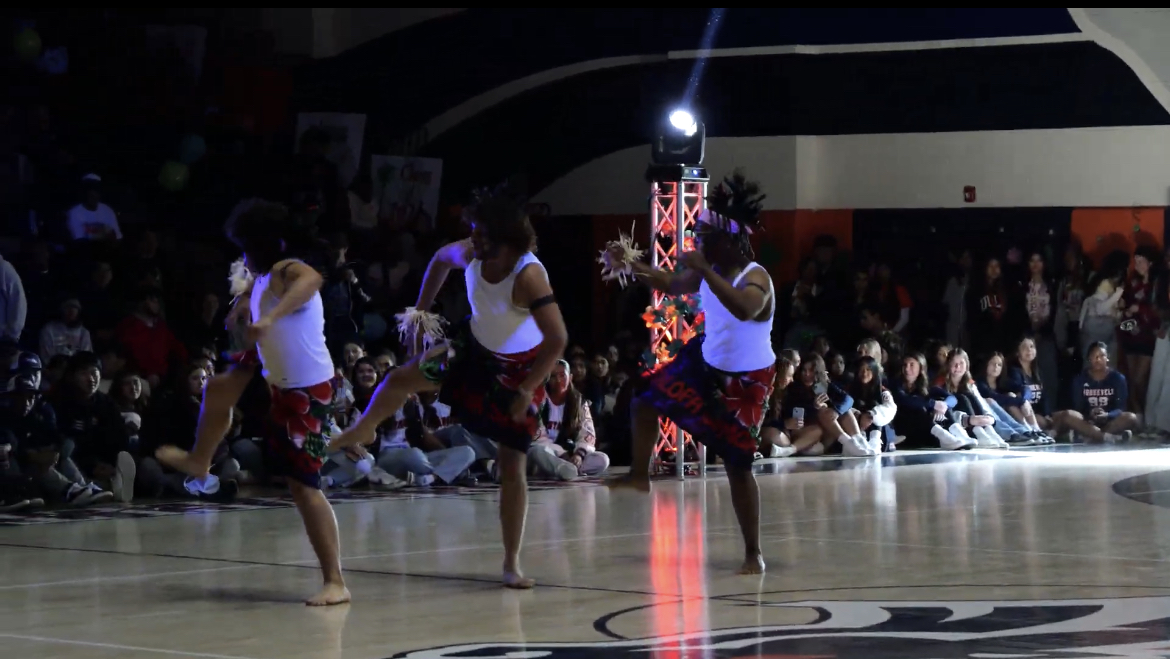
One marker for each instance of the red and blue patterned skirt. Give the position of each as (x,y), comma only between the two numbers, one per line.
(722,410)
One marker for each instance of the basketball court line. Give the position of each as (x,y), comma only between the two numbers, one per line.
(119,647)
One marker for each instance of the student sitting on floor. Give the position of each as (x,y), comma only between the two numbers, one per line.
(567,446)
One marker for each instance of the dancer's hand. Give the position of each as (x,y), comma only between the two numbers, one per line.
(258,329)
(694,260)
(521,405)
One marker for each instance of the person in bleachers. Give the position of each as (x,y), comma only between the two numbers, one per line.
(923,418)
(967,409)
(13,304)
(92,426)
(66,335)
(91,219)
(987,381)
(873,406)
(148,340)
(819,407)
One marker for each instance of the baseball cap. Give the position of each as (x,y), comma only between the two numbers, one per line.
(20,383)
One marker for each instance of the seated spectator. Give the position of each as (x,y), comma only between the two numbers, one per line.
(925,421)
(968,409)
(66,335)
(775,441)
(150,344)
(103,308)
(172,420)
(835,362)
(567,446)
(13,304)
(385,362)
(29,430)
(818,406)
(1026,390)
(1099,396)
(91,219)
(1013,432)
(94,432)
(873,406)
(408,450)
(126,392)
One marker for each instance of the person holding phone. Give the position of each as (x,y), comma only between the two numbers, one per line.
(814,411)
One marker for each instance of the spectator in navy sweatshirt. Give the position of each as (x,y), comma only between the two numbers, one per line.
(1099,396)
(1024,384)
(925,421)
(817,405)
(1016,433)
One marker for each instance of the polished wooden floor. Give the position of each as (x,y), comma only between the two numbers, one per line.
(977,554)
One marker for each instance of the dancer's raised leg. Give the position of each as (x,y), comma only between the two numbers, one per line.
(215,419)
(388,398)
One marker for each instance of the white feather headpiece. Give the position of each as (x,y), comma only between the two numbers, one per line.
(240,279)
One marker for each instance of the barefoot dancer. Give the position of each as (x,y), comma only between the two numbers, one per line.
(288,327)
(493,369)
(718,385)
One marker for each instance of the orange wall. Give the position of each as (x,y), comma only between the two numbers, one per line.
(1102,230)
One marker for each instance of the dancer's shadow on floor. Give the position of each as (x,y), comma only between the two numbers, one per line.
(223,595)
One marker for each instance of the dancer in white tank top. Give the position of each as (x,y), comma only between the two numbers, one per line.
(288,330)
(493,368)
(717,387)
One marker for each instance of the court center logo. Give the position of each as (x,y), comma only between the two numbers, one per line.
(1067,629)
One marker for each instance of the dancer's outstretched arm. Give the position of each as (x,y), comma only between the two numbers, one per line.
(453,256)
(683,282)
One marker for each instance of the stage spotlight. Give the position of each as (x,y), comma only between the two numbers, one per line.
(680,140)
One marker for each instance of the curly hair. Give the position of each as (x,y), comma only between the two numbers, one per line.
(259,232)
(738,199)
(503,213)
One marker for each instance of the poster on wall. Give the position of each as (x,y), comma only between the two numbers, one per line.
(346,132)
(406,189)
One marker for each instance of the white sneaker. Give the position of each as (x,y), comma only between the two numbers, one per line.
(953,438)
(815,450)
(87,495)
(781,451)
(385,480)
(854,447)
(876,441)
(984,437)
(567,471)
(124,474)
(425,480)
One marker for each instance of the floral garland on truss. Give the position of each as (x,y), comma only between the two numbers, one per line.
(685,307)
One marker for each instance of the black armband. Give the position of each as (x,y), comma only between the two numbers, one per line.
(752,283)
(542,302)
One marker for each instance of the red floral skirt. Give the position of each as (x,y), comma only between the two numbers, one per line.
(722,410)
(480,386)
(300,422)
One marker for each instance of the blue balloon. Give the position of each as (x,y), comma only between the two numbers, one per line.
(192,148)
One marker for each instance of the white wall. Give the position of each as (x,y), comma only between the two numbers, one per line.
(1081,167)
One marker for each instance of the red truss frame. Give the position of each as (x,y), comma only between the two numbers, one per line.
(673,212)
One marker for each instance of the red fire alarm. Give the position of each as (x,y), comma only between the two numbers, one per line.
(969,194)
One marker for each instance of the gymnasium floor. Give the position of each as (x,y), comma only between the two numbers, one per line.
(988,555)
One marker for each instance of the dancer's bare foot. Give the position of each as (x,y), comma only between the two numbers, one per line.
(330,595)
(752,565)
(352,437)
(629,482)
(517,581)
(180,460)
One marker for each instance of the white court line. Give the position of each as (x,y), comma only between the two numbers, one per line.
(127,577)
(123,648)
(1027,552)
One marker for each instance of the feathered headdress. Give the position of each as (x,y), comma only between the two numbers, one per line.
(734,205)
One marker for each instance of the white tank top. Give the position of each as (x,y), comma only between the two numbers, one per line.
(556,416)
(293,351)
(733,345)
(496,322)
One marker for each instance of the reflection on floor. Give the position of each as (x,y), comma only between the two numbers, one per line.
(977,554)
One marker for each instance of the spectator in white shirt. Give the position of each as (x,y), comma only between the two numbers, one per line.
(66,336)
(13,304)
(91,219)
